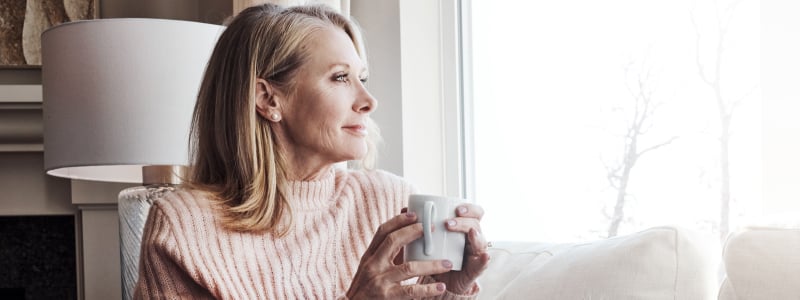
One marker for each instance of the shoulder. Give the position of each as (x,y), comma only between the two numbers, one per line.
(183,203)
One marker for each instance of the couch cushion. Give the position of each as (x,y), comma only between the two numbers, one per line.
(762,263)
(658,263)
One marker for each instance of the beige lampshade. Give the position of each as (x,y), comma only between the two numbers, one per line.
(118,94)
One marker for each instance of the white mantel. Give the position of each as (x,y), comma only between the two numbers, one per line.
(21,118)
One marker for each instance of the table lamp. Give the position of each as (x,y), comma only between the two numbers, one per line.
(118,97)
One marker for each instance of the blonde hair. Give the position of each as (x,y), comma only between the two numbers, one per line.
(234,154)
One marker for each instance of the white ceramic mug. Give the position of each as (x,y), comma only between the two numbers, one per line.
(437,242)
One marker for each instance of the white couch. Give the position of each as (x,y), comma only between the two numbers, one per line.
(762,263)
(658,263)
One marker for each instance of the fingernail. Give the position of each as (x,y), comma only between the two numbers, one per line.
(411,215)
(462,210)
(451,223)
(440,287)
(447,264)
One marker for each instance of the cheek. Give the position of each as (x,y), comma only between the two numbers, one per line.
(327,137)
(320,113)
(318,130)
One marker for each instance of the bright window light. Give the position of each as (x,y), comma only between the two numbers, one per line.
(586,112)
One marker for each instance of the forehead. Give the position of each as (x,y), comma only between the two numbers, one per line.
(330,46)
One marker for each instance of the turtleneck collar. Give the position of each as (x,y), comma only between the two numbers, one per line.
(312,195)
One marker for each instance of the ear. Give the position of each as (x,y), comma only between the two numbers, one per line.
(266,100)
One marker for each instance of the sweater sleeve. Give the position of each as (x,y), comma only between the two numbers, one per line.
(160,273)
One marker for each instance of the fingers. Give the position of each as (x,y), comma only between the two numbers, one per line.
(469,210)
(387,228)
(478,259)
(468,222)
(474,265)
(395,240)
(477,242)
(413,269)
(379,274)
(463,224)
(416,291)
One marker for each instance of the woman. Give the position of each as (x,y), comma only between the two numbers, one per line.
(266,214)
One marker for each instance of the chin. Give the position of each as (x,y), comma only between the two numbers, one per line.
(350,149)
(355,157)
(356,153)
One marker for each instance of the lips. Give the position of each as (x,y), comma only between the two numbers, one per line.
(356,129)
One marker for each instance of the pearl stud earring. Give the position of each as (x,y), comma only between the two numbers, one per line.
(275,117)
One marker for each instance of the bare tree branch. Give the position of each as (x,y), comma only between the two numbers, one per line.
(725,106)
(739,101)
(662,144)
(642,88)
(700,67)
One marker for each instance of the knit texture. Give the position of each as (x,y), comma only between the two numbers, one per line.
(187,253)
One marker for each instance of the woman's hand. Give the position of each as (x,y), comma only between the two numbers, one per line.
(378,277)
(476,259)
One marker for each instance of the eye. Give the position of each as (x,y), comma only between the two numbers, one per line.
(342,77)
(364,79)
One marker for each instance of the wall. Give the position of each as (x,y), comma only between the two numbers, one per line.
(207,11)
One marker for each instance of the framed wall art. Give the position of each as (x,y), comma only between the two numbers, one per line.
(23,21)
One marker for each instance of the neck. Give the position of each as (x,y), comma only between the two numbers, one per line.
(306,171)
(300,164)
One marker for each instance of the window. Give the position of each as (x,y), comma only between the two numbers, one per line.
(591,119)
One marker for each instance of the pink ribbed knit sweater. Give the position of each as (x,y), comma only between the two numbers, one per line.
(186,253)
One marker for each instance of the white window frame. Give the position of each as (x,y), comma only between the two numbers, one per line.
(454,97)
(431,76)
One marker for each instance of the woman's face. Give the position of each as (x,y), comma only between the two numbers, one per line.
(325,118)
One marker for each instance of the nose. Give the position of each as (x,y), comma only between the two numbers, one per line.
(365,103)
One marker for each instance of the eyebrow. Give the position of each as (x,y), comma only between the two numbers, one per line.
(346,65)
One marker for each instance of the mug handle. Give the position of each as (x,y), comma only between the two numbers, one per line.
(427,216)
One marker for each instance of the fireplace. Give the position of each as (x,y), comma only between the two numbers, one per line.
(37,257)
